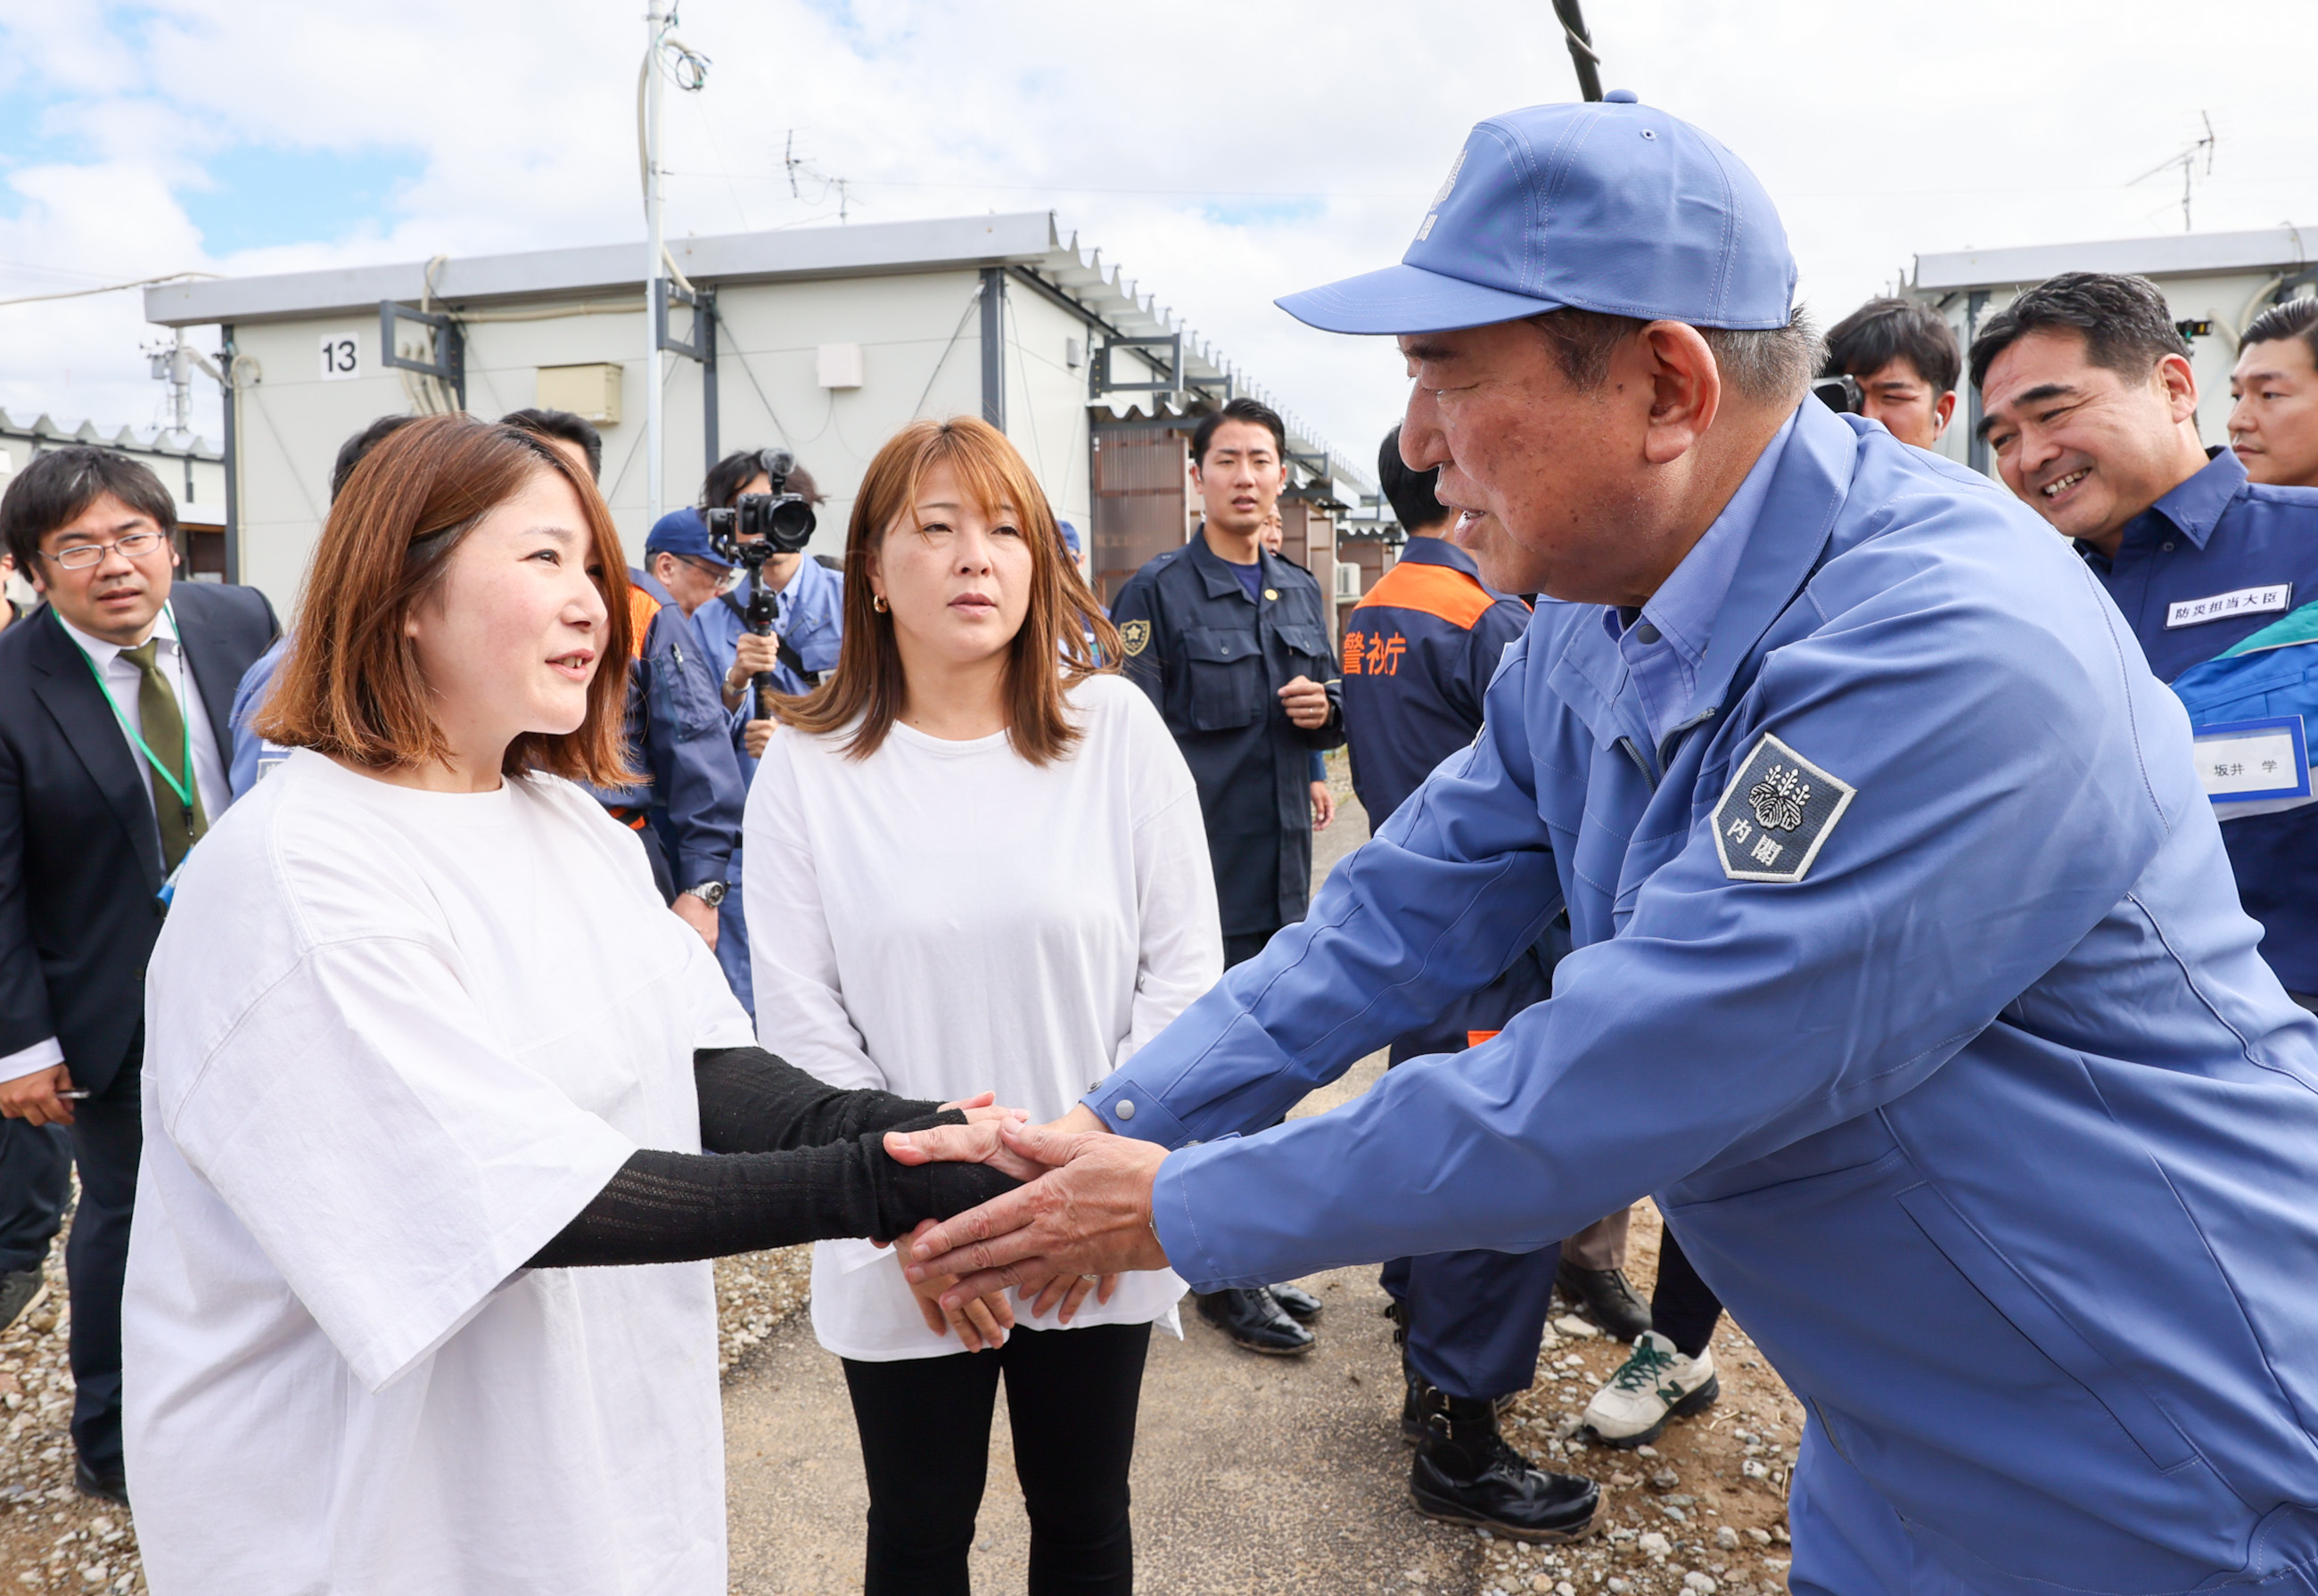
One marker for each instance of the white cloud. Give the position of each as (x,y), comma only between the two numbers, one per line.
(1882,131)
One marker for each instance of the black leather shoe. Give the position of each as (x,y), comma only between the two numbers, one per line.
(107,1487)
(1301,1304)
(1465,1474)
(1604,1297)
(1254,1320)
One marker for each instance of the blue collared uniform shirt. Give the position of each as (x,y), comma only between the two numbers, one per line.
(1910,977)
(808,614)
(2203,568)
(1213,658)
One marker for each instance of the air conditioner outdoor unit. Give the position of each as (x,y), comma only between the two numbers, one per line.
(1348,582)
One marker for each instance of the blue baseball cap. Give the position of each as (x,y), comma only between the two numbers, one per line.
(682,532)
(1609,206)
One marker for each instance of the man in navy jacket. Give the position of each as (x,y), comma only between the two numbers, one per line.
(113,744)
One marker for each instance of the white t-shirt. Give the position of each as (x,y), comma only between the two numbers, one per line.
(945,916)
(395,1041)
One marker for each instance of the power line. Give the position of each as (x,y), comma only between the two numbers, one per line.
(34,298)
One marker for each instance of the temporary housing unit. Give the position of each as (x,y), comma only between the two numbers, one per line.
(192,470)
(2215,283)
(823,340)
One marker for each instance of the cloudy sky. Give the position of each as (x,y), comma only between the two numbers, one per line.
(1224,153)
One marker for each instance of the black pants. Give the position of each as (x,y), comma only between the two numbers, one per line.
(1241,947)
(35,1171)
(108,1136)
(1071,1396)
(1684,1308)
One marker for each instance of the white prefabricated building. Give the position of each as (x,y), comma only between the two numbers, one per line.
(823,340)
(2215,284)
(191,468)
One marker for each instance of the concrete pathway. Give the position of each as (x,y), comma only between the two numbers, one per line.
(1251,1474)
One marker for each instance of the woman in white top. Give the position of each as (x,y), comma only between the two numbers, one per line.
(972,861)
(421,1040)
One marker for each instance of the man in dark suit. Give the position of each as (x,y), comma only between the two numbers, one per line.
(113,699)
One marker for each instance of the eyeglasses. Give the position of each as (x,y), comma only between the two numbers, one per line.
(728,577)
(82,555)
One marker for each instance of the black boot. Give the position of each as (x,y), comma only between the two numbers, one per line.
(1295,1301)
(1604,1297)
(1415,1389)
(1466,1473)
(1252,1319)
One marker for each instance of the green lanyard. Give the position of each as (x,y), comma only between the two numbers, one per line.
(184,788)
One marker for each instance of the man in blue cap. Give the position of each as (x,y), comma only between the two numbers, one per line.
(681,559)
(678,556)
(1908,972)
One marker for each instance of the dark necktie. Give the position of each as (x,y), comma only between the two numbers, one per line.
(163,728)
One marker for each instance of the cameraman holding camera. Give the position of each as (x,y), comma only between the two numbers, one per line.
(777,627)
(1903,361)
(808,597)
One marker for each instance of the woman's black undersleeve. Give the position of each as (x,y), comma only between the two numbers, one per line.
(669,1207)
(752,1101)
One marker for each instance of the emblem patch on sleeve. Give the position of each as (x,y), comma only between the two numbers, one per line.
(1135,634)
(1776,814)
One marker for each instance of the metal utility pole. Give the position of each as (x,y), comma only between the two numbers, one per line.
(1581,48)
(658,18)
(181,389)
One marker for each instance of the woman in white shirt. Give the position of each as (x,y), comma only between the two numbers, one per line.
(970,862)
(422,1040)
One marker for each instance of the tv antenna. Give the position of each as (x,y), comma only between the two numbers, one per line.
(794,163)
(2186,159)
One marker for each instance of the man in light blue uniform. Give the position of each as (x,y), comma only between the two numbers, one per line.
(1909,974)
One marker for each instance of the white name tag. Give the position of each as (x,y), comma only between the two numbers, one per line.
(2254,766)
(2196,613)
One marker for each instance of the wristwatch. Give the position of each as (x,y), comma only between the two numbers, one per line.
(711,893)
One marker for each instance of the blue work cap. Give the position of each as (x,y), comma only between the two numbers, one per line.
(683,532)
(1070,535)
(1609,206)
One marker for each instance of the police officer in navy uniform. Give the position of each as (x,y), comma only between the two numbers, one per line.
(1419,650)
(1908,972)
(1232,644)
(2091,410)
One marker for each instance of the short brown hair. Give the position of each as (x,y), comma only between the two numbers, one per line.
(350,686)
(1049,654)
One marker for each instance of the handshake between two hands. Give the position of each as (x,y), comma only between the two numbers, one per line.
(1082,1218)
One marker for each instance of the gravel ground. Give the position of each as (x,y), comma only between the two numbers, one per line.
(51,1538)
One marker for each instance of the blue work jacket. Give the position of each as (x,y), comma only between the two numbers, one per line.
(2196,573)
(1213,660)
(676,736)
(1911,977)
(1419,650)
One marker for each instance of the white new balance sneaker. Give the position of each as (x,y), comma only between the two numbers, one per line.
(1655,1386)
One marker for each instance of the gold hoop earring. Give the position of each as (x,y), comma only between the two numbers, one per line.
(878,602)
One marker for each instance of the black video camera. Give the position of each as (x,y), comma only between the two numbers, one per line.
(762,525)
(750,533)
(1842,394)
